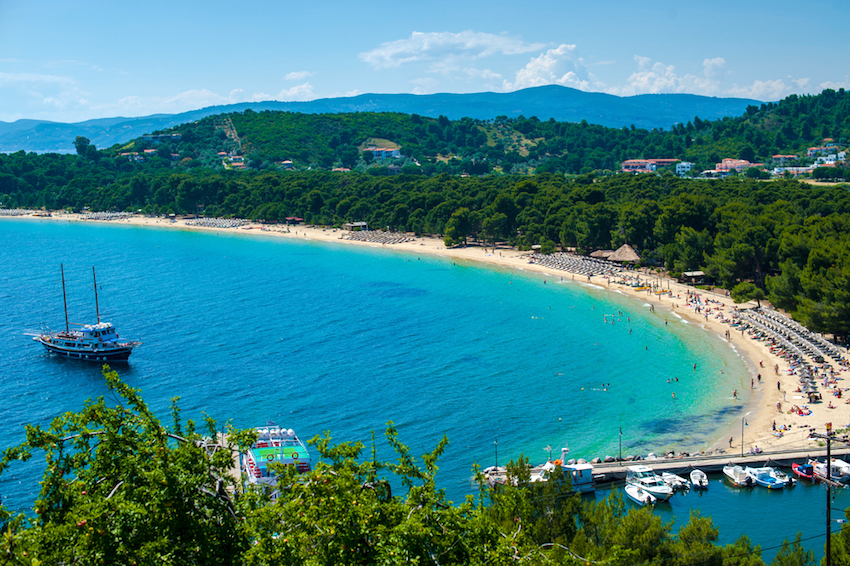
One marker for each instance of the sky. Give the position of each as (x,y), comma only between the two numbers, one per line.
(73,61)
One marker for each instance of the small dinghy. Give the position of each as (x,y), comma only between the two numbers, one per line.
(699,479)
(678,483)
(639,495)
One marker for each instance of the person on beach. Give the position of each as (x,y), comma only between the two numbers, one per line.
(730,442)
(735,394)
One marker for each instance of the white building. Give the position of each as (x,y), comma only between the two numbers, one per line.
(683,167)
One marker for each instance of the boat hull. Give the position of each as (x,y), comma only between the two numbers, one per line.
(121,354)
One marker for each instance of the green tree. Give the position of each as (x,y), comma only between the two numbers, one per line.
(793,554)
(121,488)
(81,144)
(747,291)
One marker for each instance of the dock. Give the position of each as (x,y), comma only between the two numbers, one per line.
(611,472)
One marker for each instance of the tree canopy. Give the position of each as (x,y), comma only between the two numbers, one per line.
(120,487)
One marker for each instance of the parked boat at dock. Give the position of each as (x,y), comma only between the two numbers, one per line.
(806,471)
(92,342)
(766,477)
(646,479)
(839,470)
(678,483)
(699,479)
(738,476)
(274,445)
(639,495)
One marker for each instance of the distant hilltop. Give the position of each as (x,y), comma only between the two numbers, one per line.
(563,104)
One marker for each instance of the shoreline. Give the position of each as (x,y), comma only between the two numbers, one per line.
(760,411)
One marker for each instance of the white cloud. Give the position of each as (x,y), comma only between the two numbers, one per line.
(441,49)
(298,75)
(761,90)
(561,65)
(12,78)
(713,67)
(835,86)
(299,93)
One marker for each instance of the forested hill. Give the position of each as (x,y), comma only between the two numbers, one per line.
(508,145)
(552,101)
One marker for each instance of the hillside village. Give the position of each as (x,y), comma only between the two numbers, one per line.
(828,154)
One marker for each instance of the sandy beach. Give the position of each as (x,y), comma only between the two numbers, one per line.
(760,413)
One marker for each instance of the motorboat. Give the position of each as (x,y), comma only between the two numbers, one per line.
(639,495)
(839,470)
(678,483)
(766,477)
(806,471)
(699,480)
(645,478)
(737,475)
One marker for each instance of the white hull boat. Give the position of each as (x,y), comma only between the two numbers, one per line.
(638,495)
(678,483)
(698,479)
(646,479)
(766,477)
(737,475)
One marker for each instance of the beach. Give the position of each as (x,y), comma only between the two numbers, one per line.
(760,412)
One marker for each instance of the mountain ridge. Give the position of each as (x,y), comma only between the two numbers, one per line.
(646,111)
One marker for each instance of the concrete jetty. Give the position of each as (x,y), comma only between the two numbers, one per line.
(609,472)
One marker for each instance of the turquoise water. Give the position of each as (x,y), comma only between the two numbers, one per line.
(317,336)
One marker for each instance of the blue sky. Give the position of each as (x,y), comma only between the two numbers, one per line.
(72,61)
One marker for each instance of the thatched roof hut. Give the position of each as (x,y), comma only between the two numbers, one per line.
(625,254)
(602,254)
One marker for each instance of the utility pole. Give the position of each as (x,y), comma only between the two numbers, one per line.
(829,436)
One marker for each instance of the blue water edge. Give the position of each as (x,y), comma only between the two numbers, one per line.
(329,337)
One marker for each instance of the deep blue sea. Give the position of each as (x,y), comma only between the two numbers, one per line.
(325,337)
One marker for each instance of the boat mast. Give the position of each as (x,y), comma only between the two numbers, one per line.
(96,306)
(64,300)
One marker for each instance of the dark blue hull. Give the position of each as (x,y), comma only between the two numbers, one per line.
(117,355)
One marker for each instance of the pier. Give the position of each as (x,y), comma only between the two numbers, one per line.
(610,472)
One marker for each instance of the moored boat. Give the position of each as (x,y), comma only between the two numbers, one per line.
(766,477)
(92,342)
(274,445)
(678,483)
(737,475)
(646,479)
(639,495)
(839,470)
(699,479)
(806,471)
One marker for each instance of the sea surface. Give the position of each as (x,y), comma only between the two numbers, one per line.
(320,337)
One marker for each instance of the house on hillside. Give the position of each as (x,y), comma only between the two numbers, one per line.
(384,153)
(728,164)
(683,168)
(645,165)
(784,158)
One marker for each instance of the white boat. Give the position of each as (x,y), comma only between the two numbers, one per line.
(782,476)
(678,483)
(581,475)
(698,479)
(766,477)
(738,476)
(839,470)
(639,495)
(274,445)
(646,479)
